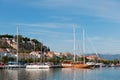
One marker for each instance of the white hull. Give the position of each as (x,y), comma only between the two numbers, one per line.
(37,67)
(99,65)
(15,66)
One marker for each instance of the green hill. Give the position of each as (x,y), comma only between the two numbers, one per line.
(25,44)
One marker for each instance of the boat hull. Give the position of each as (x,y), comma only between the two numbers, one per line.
(37,67)
(66,65)
(82,66)
(2,67)
(73,65)
(14,66)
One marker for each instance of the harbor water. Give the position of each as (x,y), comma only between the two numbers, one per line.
(61,74)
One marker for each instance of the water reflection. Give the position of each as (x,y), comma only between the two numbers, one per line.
(60,74)
(37,74)
(74,74)
(8,75)
(44,74)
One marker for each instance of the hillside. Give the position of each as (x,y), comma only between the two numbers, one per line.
(25,44)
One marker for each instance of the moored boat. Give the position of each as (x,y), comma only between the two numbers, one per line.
(100,65)
(75,64)
(2,66)
(67,64)
(80,65)
(38,66)
(14,65)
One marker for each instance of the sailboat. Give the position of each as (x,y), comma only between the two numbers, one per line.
(75,64)
(15,64)
(81,65)
(40,65)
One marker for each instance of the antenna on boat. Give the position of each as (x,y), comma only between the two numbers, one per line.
(74,42)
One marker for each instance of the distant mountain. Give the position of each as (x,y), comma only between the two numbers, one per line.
(107,56)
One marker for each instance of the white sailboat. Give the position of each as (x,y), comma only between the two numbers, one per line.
(40,65)
(15,64)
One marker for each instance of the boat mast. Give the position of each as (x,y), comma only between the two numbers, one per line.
(74,42)
(17,45)
(83,45)
(42,52)
(34,54)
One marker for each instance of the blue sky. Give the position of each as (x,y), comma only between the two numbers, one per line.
(52,21)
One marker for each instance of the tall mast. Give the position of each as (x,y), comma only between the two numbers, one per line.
(42,52)
(74,42)
(17,45)
(83,45)
(34,54)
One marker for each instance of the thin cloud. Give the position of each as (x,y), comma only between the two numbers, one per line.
(51,30)
(49,34)
(49,25)
(61,18)
(106,9)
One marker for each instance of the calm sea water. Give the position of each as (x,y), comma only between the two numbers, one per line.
(61,74)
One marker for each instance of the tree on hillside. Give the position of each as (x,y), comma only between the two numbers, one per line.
(25,44)
(6,36)
(116,61)
(45,49)
(26,39)
(20,38)
(48,49)
(38,45)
